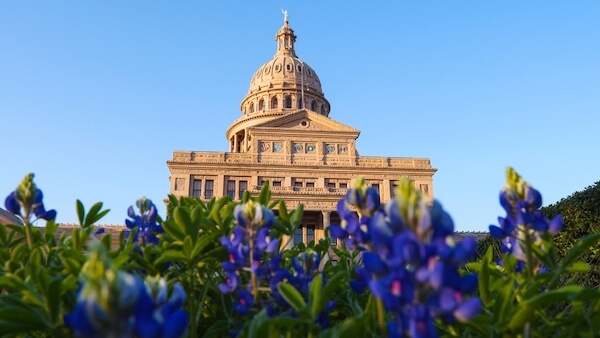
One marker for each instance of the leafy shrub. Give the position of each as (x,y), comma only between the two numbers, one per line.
(218,268)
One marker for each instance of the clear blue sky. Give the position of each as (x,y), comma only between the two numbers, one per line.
(95,96)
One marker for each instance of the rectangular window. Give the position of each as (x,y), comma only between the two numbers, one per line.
(298,238)
(277,183)
(310,184)
(209,188)
(197,188)
(310,233)
(297,184)
(343,185)
(393,188)
(243,187)
(331,185)
(231,189)
(334,262)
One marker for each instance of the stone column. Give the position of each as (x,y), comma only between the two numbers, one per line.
(326,223)
(235,143)
(326,220)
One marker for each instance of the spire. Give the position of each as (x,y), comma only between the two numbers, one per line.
(285,37)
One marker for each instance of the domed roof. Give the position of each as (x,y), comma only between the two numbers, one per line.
(285,83)
(285,65)
(285,68)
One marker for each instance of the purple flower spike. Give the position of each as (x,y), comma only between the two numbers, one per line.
(147,221)
(523,219)
(27,201)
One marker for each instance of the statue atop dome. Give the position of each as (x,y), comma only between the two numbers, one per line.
(286,16)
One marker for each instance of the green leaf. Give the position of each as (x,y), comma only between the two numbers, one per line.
(330,289)
(523,315)
(94,215)
(174,228)
(53,294)
(171,256)
(565,293)
(265,194)
(80,211)
(579,248)
(187,247)
(504,302)
(182,218)
(314,294)
(578,267)
(292,296)
(18,317)
(282,212)
(484,279)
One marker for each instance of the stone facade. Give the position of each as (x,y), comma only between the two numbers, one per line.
(285,136)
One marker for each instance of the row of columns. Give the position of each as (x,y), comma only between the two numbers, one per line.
(236,142)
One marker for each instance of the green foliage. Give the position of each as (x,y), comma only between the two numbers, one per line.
(581,217)
(38,278)
(518,303)
(40,269)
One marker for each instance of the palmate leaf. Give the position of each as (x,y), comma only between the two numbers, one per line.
(93,215)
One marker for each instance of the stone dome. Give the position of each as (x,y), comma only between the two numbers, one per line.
(285,83)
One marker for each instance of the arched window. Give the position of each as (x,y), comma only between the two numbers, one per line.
(261,104)
(274,102)
(252,107)
(313,105)
(300,106)
(287,102)
(323,110)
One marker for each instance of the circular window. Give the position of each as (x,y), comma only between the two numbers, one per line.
(304,123)
(278,67)
(308,71)
(299,68)
(288,67)
(310,148)
(298,147)
(267,69)
(330,149)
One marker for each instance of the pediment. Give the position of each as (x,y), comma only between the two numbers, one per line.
(306,120)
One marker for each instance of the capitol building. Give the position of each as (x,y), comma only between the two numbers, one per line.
(285,135)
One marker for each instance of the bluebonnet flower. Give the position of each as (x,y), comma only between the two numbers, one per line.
(248,247)
(524,222)
(410,261)
(147,221)
(355,211)
(113,303)
(27,200)
(254,265)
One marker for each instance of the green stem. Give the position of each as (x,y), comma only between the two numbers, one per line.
(381,317)
(529,254)
(252,275)
(193,304)
(28,235)
(27,225)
